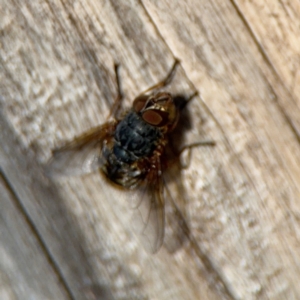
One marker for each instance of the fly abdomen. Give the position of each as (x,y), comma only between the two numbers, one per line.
(124,155)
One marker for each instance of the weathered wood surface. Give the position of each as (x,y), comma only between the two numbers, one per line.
(241,199)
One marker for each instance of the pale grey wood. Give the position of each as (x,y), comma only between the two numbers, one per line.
(244,62)
(25,272)
(239,199)
(57,81)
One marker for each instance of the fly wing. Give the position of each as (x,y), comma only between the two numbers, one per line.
(149,218)
(82,155)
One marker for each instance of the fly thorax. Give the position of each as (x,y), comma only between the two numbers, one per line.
(135,138)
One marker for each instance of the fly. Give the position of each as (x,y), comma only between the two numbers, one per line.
(129,152)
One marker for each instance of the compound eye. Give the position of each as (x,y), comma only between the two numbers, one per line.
(156,117)
(139,103)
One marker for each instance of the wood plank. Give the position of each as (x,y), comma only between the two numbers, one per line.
(66,87)
(239,199)
(25,270)
(237,71)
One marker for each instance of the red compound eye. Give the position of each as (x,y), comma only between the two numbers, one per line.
(156,117)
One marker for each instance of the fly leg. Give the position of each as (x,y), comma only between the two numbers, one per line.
(117,105)
(189,147)
(167,80)
(175,155)
(197,144)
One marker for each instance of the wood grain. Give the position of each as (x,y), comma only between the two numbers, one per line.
(238,199)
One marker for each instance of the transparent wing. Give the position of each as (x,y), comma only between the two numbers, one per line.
(148,219)
(176,228)
(82,155)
